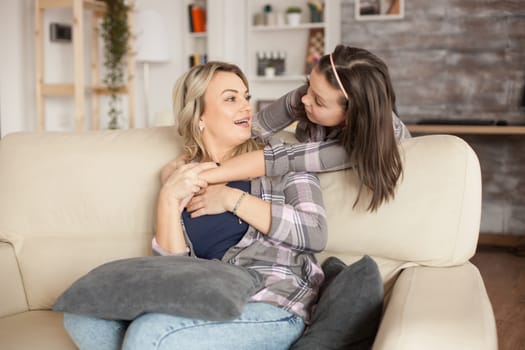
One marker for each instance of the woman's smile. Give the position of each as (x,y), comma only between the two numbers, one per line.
(243,122)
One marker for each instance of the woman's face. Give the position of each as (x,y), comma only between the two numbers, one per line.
(322,101)
(227,116)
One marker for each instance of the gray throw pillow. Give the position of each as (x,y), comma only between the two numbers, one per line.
(179,285)
(349,309)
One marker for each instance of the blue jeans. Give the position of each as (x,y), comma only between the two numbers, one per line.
(261,326)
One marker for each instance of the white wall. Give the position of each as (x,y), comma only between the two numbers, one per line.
(17,67)
(162,75)
(227,40)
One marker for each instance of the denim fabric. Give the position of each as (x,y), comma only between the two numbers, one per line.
(261,326)
(95,333)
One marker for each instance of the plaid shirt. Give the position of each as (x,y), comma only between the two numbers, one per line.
(285,256)
(320,149)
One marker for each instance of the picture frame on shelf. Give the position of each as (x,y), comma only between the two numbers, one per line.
(314,49)
(262,104)
(366,10)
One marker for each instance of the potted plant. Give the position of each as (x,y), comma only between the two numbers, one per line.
(293,15)
(115,34)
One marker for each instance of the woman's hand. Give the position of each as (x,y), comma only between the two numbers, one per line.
(217,199)
(169,168)
(183,182)
(214,199)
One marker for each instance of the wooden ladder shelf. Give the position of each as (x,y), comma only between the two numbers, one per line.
(78,89)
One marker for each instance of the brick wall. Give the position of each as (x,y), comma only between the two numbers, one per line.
(460,59)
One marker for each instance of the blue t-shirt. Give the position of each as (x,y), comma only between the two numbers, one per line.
(212,235)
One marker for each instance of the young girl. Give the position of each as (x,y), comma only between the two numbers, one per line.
(345,118)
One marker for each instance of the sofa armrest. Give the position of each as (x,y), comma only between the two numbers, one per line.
(438,308)
(12,295)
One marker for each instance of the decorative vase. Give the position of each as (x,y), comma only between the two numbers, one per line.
(269,72)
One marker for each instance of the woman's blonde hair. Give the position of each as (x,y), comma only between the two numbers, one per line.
(188,106)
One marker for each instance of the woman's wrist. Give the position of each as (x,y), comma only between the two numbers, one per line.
(167,200)
(238,203)
(233,199)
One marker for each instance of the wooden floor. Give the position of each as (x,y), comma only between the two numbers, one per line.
(503,272)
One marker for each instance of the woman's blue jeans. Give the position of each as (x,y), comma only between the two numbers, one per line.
(261,326)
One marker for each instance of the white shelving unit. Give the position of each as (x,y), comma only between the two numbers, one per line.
(292,40)
(232,37)
(195,42)
(301,26)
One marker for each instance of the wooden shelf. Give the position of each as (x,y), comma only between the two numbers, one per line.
(93,5)
(265,28)
(69,89)
(104,90)
(58,89)
(467,129)
(502,240)
(203,35)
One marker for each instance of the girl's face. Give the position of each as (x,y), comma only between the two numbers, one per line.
(322,101)
(227,116)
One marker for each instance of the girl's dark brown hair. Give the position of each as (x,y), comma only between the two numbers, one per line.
(368,133)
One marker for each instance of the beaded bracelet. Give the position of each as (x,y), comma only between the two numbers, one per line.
(238,204)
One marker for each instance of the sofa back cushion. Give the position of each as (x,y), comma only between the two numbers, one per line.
(72,201)
(434,219)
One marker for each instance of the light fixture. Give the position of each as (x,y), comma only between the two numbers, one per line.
(152,47)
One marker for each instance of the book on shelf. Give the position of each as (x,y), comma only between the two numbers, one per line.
(190,20)
(197,18)
(196,59)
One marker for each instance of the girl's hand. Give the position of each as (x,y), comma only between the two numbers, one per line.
(211,200)
(183,182)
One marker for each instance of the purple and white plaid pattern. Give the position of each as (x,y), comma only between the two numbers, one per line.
(284,257)
(317,152)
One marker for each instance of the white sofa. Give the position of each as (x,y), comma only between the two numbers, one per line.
(72,201)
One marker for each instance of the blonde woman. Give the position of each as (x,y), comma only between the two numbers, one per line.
(271,225)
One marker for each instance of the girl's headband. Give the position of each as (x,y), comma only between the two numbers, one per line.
(337,77)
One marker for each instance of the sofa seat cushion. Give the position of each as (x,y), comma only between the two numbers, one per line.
(34,330)
(435,308)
